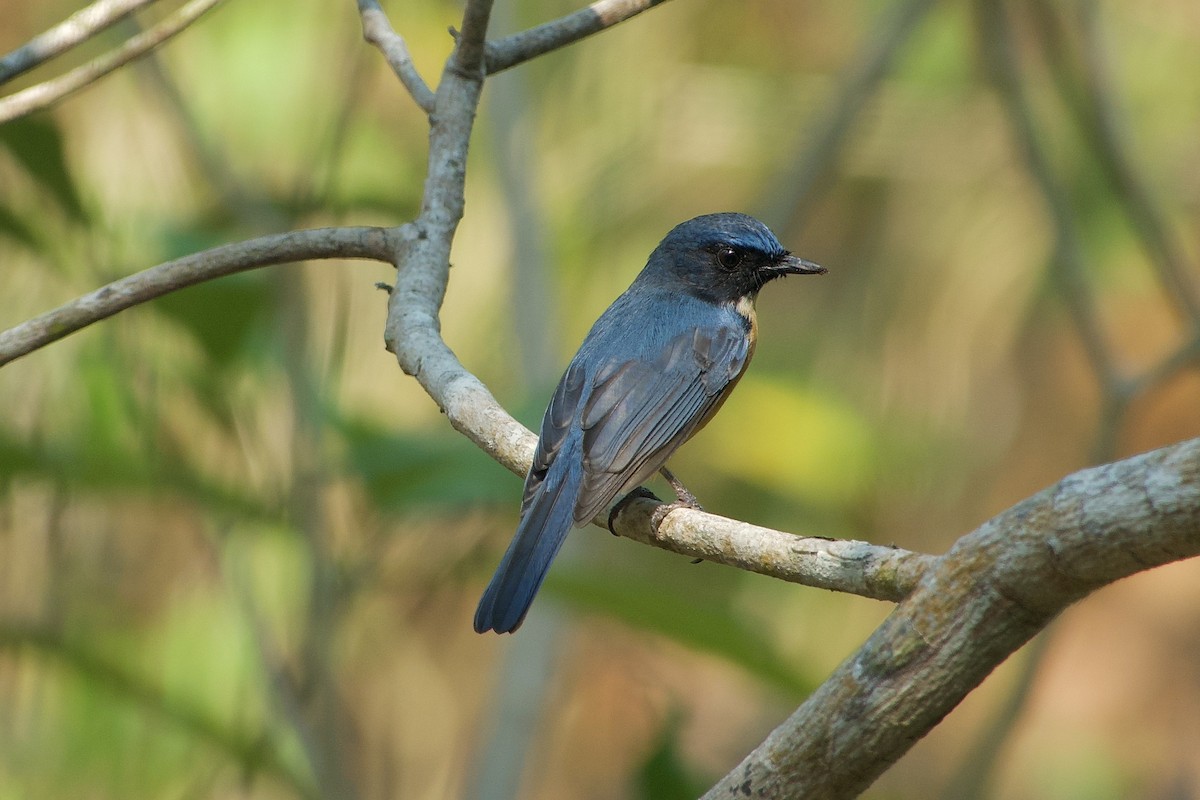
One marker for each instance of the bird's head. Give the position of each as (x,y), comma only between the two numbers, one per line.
(724,257)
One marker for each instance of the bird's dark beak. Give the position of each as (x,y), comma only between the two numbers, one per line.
(792,265)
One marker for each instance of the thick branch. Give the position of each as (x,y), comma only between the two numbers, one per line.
(77,28)
(988,595)
(49,92)
(378,31)
(371,243)
(520,47)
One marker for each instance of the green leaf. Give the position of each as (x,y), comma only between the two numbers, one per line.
(37,144)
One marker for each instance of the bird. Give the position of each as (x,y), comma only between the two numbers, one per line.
(654,368)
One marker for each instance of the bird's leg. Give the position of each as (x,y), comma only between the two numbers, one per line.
(684,498)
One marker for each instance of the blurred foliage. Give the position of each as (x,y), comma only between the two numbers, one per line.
(239,549)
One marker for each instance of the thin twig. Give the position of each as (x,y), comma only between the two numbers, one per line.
(378,31)
(49,92)
(77,28)
(319,243)
(520,47)
(471,41)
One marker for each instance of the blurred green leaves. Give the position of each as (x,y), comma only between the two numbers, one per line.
(222,316)
(793,439)
(36,144)
(404,471)
(691,604)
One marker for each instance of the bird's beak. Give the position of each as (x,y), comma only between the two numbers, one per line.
(792,265)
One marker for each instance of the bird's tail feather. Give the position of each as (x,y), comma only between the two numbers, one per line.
(540,534)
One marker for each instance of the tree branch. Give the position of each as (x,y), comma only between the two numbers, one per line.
(867,570)
(467,57)
(992,591)
(77,28)
(520,47)
(281,248)
(378,31)
(49,92)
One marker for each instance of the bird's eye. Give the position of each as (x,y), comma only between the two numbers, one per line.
(727,257)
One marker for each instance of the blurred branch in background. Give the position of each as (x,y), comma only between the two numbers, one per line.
(1068,262)
(79,27)
(1100,120)
(51,91)
(821,145)
(524,685)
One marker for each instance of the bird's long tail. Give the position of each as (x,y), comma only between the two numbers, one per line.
(540,534)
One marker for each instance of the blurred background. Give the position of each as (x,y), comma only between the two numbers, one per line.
(240,550)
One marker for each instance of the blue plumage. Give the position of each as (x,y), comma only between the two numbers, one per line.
(654,368)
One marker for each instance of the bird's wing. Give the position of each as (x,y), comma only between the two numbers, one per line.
(638,412)
(556,425)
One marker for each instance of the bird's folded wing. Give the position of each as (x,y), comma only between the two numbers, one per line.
(638,412)
(556,425)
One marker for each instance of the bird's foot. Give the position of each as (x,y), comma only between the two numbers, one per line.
(640,491)
(683,498)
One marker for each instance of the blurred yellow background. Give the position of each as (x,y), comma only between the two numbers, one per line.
(240,550)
